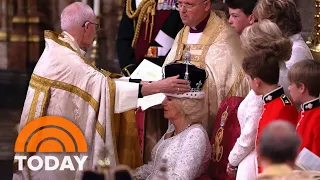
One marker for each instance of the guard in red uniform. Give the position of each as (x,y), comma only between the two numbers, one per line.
(262,71)
(304,88)
(277,106)
(308,126)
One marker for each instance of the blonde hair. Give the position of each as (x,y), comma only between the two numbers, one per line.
(266,35)
(193,110)
(282,12)
(306,72)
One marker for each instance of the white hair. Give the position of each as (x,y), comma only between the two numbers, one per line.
(75,15)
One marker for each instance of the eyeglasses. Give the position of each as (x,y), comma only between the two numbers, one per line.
(97,25)
(188,5)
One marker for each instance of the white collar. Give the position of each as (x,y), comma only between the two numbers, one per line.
(296,37)
(70,39)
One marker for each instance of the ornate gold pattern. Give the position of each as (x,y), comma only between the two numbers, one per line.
(44,101)
(38,80)
(204,44)
(128,147)
(100,130)
(3,36)
(224,117)
(236,85)
(196,46)
(18,19)
(218,149)
(112,94)
(43,83)
(54,36)
(24,38)
(33,107)
(215,33)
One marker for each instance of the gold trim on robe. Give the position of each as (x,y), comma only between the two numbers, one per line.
(40,83)
(33,105)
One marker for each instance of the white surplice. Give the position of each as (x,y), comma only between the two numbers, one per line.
(64,84)
(243,153)
(187,154)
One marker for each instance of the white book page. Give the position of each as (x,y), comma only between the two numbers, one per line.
(148,71)
(308,161)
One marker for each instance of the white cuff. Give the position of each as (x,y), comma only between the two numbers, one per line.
(126,96)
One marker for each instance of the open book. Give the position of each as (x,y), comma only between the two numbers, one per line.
(148,71)
(308,161)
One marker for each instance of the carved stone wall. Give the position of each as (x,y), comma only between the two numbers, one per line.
(111,9)
(3,34)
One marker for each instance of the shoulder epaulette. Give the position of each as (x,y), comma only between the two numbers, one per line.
(286,101)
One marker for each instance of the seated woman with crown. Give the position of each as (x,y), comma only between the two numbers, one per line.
(185,146)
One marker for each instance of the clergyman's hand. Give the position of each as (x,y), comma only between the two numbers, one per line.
(168,85)
(173,85)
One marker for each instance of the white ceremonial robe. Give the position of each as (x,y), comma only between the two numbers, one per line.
(64,84)
(187,153)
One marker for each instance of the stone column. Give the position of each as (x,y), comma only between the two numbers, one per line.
(4,12)
(107,36)
(18,39)
(27,36)
(35,33)
(3,34)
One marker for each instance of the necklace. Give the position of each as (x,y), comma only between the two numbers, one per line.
(174,133)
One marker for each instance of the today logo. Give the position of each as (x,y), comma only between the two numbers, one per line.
(50,134)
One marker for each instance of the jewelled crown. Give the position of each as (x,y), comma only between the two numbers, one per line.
(187,71)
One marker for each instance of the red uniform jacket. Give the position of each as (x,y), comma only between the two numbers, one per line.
(277,106)
(309,126)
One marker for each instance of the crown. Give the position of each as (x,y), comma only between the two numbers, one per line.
(196,76)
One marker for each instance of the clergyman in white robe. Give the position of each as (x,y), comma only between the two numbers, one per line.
(64,84)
